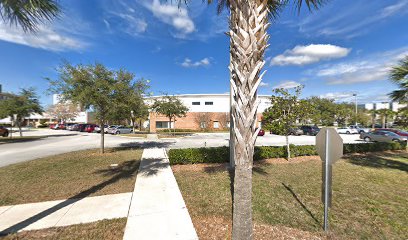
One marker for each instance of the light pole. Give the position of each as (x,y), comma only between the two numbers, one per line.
(355,98)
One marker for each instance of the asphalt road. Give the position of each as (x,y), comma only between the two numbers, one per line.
(61,141)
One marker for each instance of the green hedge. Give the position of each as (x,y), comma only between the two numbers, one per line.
(221,154)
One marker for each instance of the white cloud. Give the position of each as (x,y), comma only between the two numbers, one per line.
(173,15)
(134,25)
(189,63)
(372,68)
(357,19)
(263,84)
(45,38)
(302,55)
(337,95)
(288,84)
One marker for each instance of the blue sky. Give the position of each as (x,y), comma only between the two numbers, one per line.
(346,47)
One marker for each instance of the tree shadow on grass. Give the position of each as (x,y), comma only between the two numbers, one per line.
(124,171)
(377,161)
(301,203)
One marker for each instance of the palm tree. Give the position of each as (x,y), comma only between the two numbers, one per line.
(385,115)
(28,13)
(399,75)
(248,22)
(373,114)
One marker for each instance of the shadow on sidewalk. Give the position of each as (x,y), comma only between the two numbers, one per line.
(125,170)
(146,144)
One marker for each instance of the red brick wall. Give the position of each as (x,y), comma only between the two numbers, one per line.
(191,120)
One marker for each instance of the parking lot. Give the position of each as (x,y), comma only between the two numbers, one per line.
(61,141)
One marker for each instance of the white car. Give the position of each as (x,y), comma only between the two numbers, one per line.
(347,131)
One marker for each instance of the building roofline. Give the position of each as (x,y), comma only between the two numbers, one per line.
(199,95)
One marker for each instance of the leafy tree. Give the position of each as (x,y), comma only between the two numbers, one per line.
(131,104)
(171,107)
(93,87)
(203,120)
(64,111)
(323,111)
(399,75)
(286,108)
(21,105)
(28,13)
(363,117)
(385,115)
(343,113)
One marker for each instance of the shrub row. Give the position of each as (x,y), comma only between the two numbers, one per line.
(221,154)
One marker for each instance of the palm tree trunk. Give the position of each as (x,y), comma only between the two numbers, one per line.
(248,41)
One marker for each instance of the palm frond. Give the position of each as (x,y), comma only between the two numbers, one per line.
(275,7)
(399,75)
(28,13)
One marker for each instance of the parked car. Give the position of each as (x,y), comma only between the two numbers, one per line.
(74,127)
(399,132)
(81,127)
(310,130)
(59,126)
(90,128)
(111,127)
(52,126)
(347,130)
(120,130)
(4,132)
(98,128)
(360,129)
(382,136)
(69,126)
(295,131)
(261,132)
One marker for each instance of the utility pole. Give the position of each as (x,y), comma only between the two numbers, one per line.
(355,95)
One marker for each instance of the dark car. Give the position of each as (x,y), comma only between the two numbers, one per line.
(261,132)
(82,127)
(310,130)
(295,131)
(4,131)
(398,132)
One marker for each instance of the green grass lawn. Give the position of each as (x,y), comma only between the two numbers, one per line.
(70,175)
(370,196)
(105,229)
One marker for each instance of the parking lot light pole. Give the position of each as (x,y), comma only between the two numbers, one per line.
(355,98)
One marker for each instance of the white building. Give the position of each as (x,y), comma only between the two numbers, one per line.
(215,106)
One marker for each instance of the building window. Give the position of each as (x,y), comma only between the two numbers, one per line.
(196,103)
(216,124)
(162,124)
(228,124)
(209,103)
(203,125)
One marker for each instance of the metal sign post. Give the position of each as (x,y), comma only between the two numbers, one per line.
(329,145)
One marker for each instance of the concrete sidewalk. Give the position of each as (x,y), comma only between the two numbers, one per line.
(157,210)
(63,213)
